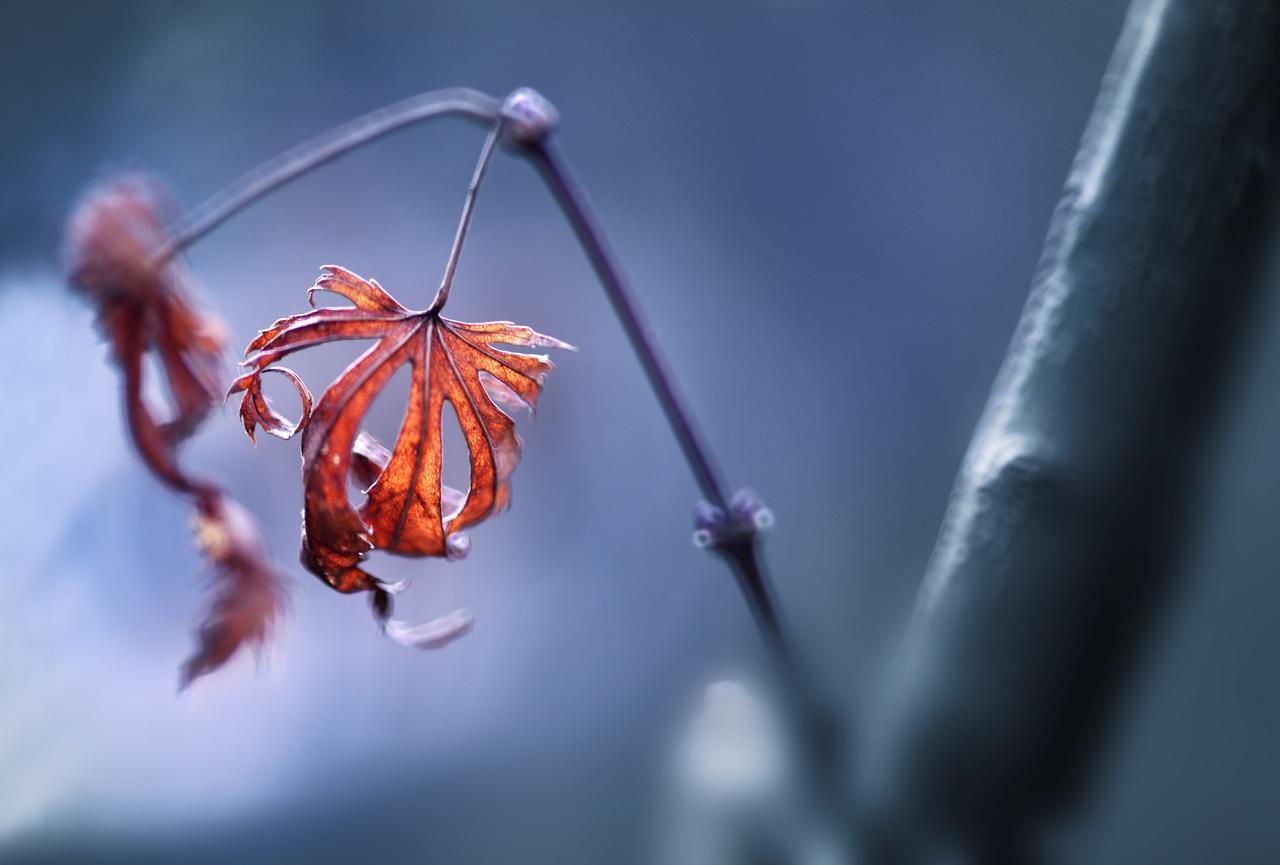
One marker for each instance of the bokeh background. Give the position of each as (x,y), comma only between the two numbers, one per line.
(832,212)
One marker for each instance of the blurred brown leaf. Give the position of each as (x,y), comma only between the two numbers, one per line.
(248,590)
(143,307)
(114,239)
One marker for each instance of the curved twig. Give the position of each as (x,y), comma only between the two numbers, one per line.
(327,146)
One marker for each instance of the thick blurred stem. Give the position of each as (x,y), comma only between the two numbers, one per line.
(1060,538)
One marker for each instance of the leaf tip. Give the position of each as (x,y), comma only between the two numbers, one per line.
(435,634)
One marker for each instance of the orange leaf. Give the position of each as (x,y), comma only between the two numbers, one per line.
(407,510)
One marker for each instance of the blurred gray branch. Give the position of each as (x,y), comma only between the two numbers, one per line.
(1061,536)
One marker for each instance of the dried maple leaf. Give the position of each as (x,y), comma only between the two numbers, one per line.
(407,511)
(113,239)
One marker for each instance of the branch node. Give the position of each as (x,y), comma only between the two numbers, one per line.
(746,518)
(529,117)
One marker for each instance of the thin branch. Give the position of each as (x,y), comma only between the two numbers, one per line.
(464,222)
(327,146)
(591,236)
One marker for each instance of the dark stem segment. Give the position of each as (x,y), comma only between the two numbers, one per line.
(591,236)
(818,733)
(743,557)
(325,147)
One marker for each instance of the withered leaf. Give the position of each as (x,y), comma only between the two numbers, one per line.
(407,510)
(248,590)
(144,308)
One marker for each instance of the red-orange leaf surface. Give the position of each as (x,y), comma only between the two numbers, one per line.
(407,510)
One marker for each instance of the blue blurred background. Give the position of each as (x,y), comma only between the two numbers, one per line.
(832,212)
